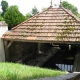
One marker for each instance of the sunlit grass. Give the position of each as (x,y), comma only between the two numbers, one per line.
(11,71)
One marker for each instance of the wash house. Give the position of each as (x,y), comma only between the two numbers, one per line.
(54,27)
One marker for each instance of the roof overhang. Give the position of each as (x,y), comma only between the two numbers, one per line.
(45,41)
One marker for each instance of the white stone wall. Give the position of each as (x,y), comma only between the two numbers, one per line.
(3,29)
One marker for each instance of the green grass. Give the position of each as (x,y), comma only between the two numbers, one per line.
(11,71)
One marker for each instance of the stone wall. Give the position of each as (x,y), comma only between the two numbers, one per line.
(21,49)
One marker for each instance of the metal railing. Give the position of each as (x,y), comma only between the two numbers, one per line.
(65,67)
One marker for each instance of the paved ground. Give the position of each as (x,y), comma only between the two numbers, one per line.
(63,77)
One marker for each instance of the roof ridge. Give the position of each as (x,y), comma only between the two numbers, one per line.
(71,14)
(29,19)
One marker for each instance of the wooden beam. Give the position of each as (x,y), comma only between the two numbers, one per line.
(39,51)
(9,44)
(52,52)
(46,41)
(6,50)
(38,47)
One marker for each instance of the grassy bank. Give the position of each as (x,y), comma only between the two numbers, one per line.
(11,71)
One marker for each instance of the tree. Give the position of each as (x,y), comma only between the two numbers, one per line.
(70,7)
(28,15)
(34,11)
(13,17)
(78,15)
(1,18)
(4,5)
(0,13)
(43,9)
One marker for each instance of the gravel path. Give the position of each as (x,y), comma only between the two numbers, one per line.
(63,77)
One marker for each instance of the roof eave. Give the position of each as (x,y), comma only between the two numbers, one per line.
(44,41)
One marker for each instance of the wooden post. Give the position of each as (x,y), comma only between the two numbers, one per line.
(9,44)
(6,50)
(39,45)
(2,53)
(76,65)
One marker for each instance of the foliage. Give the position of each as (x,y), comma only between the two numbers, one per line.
(0,13)
(78,15)
(71,7)
(34,11)
(1,18)
(28,15)
(56,4)
(11,71)
(43,9)
(13,16)
(4,5)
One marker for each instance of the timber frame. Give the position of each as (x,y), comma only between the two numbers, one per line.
(7,44)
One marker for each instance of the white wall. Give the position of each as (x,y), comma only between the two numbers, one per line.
(3,29)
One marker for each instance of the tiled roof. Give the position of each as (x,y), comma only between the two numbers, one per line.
(51,25)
